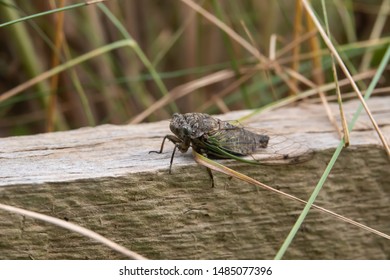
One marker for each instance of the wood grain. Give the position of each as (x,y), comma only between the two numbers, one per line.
(104,179)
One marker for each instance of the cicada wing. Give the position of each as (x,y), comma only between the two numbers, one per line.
(237,140)
(223,140)
(281,150)
(255,145)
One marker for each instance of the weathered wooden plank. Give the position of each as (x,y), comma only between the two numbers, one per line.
(104,179)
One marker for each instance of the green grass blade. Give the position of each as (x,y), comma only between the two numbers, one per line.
(140,53)
(29,17)
(336,154)
(63,67)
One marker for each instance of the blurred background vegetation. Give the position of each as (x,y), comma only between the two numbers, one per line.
(130,61)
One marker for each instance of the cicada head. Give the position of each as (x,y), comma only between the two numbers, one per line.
(180,127)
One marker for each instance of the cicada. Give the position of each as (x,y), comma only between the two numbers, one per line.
(212,137)
(221,139)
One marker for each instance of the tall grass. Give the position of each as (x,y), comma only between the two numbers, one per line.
(171,46)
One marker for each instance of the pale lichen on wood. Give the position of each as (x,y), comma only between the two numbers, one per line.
(104,179)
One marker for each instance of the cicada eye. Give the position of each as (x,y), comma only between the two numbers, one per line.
(187,131)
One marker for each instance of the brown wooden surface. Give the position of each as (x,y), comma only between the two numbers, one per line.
(104,179)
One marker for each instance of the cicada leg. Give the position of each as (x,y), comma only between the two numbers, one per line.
(211,176)
(171,138)
(183,147)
